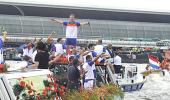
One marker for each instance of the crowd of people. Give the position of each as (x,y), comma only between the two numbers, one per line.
(40,54)
(81,60)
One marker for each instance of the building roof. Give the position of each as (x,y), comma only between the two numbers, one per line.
(83,13)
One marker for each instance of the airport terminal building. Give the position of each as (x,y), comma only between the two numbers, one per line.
(28,20)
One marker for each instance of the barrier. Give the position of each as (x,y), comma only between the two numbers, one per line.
(60,72)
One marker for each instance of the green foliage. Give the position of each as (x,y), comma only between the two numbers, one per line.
(46,83)
(18,89)
(105,92)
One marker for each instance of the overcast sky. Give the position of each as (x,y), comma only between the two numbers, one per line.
(144,5)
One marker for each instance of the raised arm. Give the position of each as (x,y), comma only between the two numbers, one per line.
(94,60)
(50,37)
(57,21)
(106,56)
(84,23)
(85,53)
(56,58)
(4,33)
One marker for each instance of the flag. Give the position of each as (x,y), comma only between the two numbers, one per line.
(153,62)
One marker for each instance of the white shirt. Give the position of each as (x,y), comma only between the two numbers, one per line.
(117,60)
(133,56)
(84,58)
(99,49)
(71,32)
(28,52)
(89,71)
(71,29)
(33,55)
(59,49)
(90,53)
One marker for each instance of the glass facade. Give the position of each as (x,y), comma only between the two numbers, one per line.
(24,26)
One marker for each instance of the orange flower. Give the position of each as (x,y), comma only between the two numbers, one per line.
(44,91)
(55,85)
(22,83)
(47,88)
(30,91)
(28,86)
(62,87)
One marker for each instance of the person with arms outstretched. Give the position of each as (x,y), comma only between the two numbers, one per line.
(71,29)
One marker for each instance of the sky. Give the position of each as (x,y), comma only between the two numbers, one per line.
(141,5)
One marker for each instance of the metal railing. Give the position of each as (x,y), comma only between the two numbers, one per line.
(30,26)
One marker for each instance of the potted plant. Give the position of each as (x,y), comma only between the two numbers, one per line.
(51,91)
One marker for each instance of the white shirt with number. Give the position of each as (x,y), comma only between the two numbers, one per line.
(71,29)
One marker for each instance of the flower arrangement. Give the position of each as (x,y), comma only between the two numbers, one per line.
(51,91)
(105,92)
(3,68)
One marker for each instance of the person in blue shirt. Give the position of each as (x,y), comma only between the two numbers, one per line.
(1,52)
(2,39)
(59,47)
(75,53)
